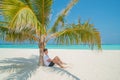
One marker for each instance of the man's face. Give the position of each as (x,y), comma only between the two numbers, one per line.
(46,52)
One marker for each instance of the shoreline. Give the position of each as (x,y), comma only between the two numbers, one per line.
(76,47)
(67,49)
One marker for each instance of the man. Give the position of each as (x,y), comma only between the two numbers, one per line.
(51,62)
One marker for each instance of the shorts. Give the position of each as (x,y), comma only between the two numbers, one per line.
(51,64)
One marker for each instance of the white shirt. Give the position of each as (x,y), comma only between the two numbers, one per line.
(45,58)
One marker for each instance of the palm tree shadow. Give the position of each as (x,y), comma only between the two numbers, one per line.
(21,68)
(62,72)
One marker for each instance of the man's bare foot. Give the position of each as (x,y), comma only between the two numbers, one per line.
(64,63)
(64,67)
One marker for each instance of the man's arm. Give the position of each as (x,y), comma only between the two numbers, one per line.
(49,60)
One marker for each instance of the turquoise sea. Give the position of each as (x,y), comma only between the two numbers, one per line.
(34,46)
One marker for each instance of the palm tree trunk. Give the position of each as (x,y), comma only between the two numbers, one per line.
(41,53)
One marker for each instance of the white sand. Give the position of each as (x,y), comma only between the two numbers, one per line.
(84,64)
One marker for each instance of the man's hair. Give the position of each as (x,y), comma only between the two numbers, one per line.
(45,49)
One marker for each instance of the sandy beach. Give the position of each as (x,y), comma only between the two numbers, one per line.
(83,64)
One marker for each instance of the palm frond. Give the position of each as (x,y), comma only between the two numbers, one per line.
(60,18)
(42,9)
(19,37)
(3,31)
(22,23)
(21,17)
(75,34)
(28,2)
(24,18)
(9,8)
(12,35)
(3,22)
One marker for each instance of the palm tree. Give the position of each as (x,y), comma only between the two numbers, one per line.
(28,20)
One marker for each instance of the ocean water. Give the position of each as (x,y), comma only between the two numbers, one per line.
(35,46)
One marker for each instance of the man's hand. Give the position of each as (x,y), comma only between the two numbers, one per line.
(49,60)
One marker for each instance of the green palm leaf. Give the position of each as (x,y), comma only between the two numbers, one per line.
(24,18)
(19,17)
(22,24)
(75,34)
(42,9)
(18,36)
(10,8)
(11,35)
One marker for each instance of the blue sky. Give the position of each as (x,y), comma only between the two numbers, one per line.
(104,14)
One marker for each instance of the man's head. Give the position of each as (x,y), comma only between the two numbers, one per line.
(45,51)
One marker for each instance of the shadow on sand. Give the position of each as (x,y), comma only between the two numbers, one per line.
(23,68)
(62,72)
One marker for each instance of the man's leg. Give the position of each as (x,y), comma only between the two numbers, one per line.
(56,61)
(61,62)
